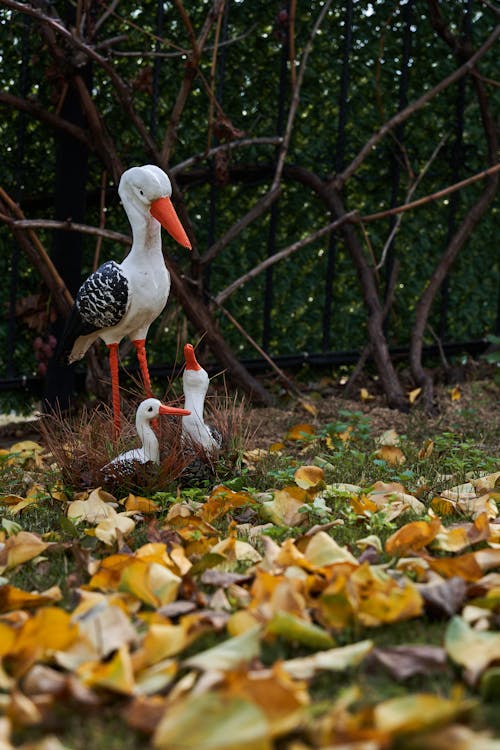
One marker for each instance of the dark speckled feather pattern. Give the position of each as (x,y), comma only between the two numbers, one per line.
(102,298)
(101,302)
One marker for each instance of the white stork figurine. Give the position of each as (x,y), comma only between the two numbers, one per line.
(123,299)
(147,411)
(195,385)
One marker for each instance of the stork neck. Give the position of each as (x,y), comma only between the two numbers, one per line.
(194,401)
(149,442)
(146,231)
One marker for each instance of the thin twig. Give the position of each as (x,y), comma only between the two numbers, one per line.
(222,296)
(403,114)
(409,195)
(433,196)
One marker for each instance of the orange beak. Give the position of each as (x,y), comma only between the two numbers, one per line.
(190,357)
(164,212)
(164,409)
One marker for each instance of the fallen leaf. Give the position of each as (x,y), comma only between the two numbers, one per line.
(300,432)
(472,649)
(412,537)
(97,507)
(141,504)
(294,629)
(283,510)
(455,393)
(230,654)
(309,477)
(403,662)
(115,675)
(332,660)
(229,723)
(391,454)
(20,548)
(415,713)
(414,394)
(364,395)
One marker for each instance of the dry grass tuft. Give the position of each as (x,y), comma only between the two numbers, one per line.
(82,446)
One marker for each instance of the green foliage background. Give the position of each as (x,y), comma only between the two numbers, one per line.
(249,97)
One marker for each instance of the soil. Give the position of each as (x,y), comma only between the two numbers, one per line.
(472,409)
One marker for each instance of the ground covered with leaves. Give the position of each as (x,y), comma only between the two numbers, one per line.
(338,588)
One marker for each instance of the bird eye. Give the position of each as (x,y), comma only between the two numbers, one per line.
(141,192)
(150,408)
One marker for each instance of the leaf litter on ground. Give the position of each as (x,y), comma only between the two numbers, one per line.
(211,631)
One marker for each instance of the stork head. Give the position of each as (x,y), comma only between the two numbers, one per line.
(151,408)
(147,189)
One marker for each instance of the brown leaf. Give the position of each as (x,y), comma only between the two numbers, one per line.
(443,597)
(403,662)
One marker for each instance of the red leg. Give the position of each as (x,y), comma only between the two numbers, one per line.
(140,347)
(115,387)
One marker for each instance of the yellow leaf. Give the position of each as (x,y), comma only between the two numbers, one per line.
(300,432)
(376,598)
(426,450)
(389,437)
(229,654)
(414,394)
(281,698)
(234,549)
(455,393)
(229,723)
(107,530)
(152,583)
(391,454)
(161,641)
(415,713)
(333,660)
(442,506)
(223,500)
(295,629)
(322,550)
(308,406)
(412,537)
(93,510)
(364,395)
(12,598)
(471,648)
(309,477)
(115,674)
(276,447)
(362,505)
(141,504)
(20,548)
(283,509)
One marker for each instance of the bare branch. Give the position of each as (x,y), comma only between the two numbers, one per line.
(48,118)
(122,90)
(434,196)
(296,98)
(222,296)
(242,143)
(409,194)
(340,179)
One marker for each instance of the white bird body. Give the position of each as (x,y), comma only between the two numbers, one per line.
(123,299)
(147,410)
(195,382)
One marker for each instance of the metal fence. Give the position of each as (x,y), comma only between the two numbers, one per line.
(326,346)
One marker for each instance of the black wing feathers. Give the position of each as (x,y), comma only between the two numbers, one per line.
(101,302)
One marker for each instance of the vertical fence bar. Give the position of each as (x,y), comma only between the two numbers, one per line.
(18,175)
(153,124)
(274,212)
(456,161)
(338,165)
(399,155)
(219,93)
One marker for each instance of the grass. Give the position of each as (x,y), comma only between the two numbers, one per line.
(346,450)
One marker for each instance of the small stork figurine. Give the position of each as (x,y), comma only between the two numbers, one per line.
(123,299)
(147,411)
(195,385)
